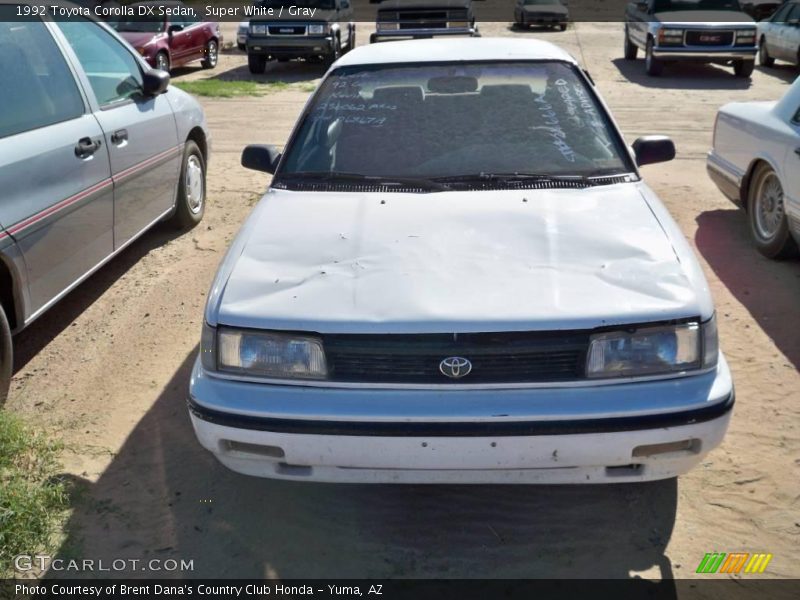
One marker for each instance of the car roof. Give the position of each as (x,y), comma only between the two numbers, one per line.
(455,50)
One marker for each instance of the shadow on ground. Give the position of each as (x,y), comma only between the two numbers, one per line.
(163,496)
(784,71)
(683,76)
(33,339)
(768,289)
(293,71)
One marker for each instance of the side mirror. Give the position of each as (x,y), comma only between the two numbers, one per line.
(173,28)
(155,82)
(260,157)
(653,149)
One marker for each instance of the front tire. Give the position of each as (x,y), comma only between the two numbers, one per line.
(257,64)
(162,61)
(336,52)
(630,48)
(6,357)
(767,215)
(743,68)
(212,55)
(653,66)
(351,39)
(191,197)
(764,59)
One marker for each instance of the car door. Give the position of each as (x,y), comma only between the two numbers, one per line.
(183,41)
(791,170)
(56,198)
(637,17)
(196,43)
(790,35)
(778,43)
(139,131)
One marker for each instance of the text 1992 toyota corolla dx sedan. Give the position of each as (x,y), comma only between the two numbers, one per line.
(458,275)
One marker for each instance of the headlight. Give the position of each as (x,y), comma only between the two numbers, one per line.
(283,356)
(653,350)
(670,36)
(745,37)
(316,29)
(258,29)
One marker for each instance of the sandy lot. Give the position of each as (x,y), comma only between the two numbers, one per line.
(107,371)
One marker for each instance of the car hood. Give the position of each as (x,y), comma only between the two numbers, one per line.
(138,39)
(453,262)
(703,17)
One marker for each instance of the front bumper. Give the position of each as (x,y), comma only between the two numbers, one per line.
(290,47)
(394,34)
(587,434)
(706,54)
(723,176)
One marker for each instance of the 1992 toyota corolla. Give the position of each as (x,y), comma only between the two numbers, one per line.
(458,275)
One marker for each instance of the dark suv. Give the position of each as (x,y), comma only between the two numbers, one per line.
(317,30)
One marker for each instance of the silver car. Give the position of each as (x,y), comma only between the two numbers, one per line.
(95,148)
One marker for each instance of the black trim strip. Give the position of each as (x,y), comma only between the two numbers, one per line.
(469,429)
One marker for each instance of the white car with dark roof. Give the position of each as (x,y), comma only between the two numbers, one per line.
(414,300)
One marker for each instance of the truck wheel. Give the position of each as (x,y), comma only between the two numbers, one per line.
(256,63)
(767,214)
(351,40)
(743,68)
(6,357)
(191,198)
(335,53)
(630,48)
(764,59)
(653,66)
(373,38)
(212,54)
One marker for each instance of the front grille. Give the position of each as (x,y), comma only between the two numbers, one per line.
(524,357)
(709,38)
(423,19)
(287,29)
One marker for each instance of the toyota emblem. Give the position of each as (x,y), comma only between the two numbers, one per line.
(455,367)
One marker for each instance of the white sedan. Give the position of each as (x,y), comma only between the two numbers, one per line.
(755,161)
(458,275)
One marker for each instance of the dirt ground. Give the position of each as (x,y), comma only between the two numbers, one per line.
(107,371)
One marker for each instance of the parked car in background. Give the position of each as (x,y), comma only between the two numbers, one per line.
(754,162)
(710,31)
(541,12)
(319,31)
(760,9)
(779,36)
(92,154)
(172,40)
(403,19)
(419,300)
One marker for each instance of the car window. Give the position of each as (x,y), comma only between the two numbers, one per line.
(794,14)
(449,120)
(38,87)
(679,5)
(780,14)
(113,72)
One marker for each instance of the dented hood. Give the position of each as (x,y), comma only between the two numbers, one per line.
(454,262)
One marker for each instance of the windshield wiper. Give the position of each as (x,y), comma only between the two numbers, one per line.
(511,178)
(342,177)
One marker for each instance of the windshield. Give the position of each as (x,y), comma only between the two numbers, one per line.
(141,24)
(675,5)
(450,120)
(321,4)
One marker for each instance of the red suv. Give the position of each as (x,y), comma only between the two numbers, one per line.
(171,40)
